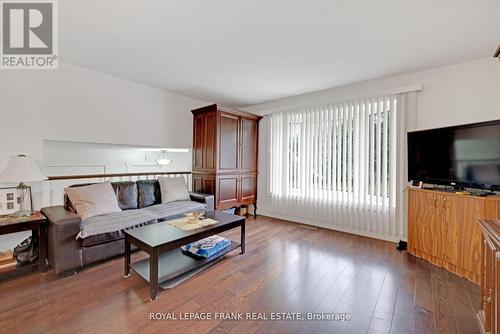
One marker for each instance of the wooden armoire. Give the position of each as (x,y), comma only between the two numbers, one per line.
(225,151)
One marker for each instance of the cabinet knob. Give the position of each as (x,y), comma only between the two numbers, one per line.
(435,202)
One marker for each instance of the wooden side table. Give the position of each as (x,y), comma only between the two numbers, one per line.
(35,222)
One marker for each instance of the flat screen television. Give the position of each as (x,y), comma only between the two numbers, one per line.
(465,156)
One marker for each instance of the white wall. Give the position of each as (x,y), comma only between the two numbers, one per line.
(457,94)
(77,104)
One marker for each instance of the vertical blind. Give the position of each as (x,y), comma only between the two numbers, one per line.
(336,165)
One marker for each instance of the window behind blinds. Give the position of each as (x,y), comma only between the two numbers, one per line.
(337,159)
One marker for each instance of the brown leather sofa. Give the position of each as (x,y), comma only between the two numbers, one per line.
(66,253)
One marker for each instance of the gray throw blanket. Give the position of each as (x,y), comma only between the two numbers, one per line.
(118,221)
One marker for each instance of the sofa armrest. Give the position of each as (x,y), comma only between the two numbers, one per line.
(207,199)
(65,252)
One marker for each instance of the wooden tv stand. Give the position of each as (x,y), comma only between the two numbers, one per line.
(443,228)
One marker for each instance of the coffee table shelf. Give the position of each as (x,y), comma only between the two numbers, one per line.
(162,242)
(174,263)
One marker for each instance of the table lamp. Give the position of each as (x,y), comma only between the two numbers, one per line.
(20,169)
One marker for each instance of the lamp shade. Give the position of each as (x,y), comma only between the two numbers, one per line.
(22,168)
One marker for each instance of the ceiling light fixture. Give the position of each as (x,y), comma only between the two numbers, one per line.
(163,158)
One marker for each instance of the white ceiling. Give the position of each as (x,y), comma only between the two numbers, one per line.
(245,52)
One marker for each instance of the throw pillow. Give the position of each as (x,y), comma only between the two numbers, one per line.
(93,200)
(126,193)
(149,193)
(173,189)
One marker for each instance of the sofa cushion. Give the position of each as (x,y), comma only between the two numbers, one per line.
(102,251)
(149,193)
(102,238)
(173,189)
(93,200)
(126,193)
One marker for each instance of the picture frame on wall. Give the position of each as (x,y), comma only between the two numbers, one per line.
(9,200)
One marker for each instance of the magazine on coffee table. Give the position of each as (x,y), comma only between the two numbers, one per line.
(207,247)
(188,224)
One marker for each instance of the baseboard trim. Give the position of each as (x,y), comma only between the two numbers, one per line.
(310,222)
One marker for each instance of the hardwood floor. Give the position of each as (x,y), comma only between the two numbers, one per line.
(286,268)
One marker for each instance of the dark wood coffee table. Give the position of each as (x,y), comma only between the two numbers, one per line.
(162,242)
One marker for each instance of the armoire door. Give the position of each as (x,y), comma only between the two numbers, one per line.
(227,191)
(248,188)
(248,145)
(204,183)
(229,136)
(209,157)
(198,140)
(204,136)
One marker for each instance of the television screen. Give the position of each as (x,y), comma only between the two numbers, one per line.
(466,156)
